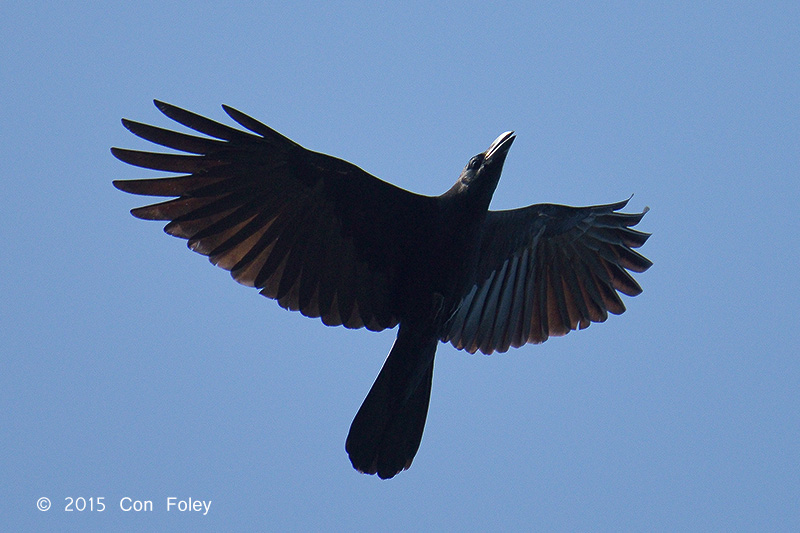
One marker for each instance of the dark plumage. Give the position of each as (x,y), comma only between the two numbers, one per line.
(325,238)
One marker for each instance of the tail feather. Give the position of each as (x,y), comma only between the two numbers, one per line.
(386,432)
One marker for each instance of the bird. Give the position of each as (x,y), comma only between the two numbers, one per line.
(323,237)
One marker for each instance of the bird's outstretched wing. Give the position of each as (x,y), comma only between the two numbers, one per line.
(314,232)
(546,270)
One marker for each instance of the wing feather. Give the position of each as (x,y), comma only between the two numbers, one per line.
(314,232)
(546,270)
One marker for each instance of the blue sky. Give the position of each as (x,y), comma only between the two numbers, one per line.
(132,368)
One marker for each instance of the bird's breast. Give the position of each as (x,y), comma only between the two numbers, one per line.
(440,268)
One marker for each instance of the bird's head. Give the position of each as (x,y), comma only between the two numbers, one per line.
(483,170)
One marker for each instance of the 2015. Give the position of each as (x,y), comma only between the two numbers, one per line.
(82,504)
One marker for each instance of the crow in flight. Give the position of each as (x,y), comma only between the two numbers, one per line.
(323,237)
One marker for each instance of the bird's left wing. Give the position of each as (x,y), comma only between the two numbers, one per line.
(314,232)
(546,270)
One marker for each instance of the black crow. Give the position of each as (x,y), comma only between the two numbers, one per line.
(323,237)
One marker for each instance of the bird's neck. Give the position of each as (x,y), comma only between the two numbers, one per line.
(472,198)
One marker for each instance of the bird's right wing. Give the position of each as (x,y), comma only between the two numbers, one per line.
(546,270)
(314,232)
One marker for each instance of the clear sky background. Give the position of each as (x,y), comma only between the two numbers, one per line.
(132,368)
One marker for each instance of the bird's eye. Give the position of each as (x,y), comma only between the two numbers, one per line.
(475,162)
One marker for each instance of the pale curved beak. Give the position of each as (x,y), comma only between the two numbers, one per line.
(500,145)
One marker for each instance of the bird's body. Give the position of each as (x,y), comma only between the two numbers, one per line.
(322,236)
